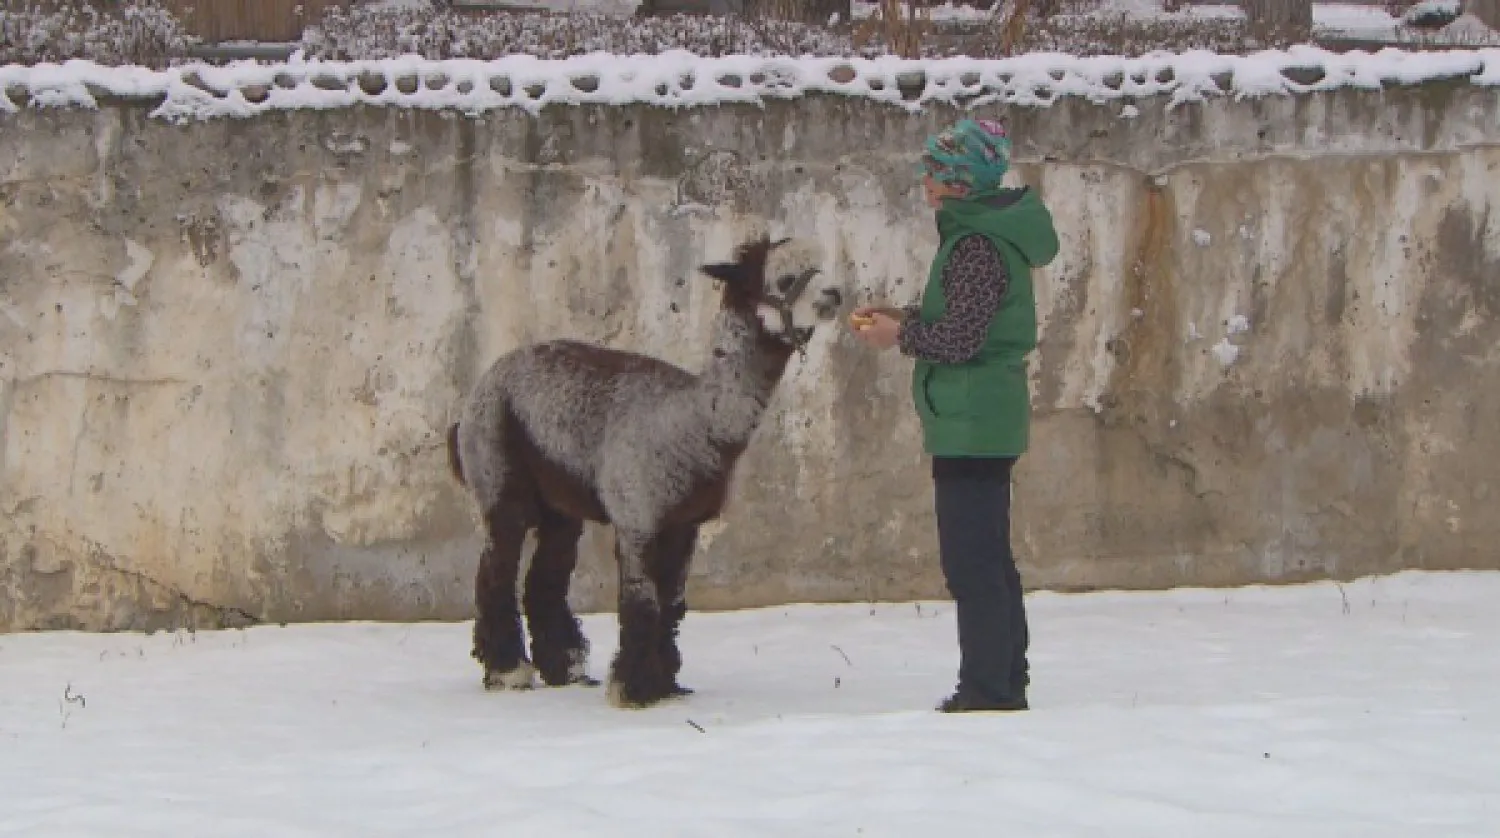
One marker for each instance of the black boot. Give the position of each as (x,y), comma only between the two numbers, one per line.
(965,701)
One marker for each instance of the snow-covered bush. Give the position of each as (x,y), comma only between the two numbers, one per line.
(133,32)
(1119,33)
(143,32)
(379,32)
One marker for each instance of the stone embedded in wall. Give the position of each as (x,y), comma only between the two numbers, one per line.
(715,179)
(222,397)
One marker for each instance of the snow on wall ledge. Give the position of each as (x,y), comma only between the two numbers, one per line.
(229,347)
(677,79)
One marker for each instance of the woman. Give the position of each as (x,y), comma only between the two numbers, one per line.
(970,335)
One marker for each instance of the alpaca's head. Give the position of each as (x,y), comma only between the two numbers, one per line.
(783,285)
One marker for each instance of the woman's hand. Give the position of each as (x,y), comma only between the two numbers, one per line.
(892,312)
(877,326)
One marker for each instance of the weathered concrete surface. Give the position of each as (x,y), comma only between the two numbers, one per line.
(228,351)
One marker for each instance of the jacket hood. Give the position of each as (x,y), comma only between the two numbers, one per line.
(1016,216)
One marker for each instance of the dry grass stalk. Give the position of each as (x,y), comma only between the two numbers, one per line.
(1011,16)
(903,31)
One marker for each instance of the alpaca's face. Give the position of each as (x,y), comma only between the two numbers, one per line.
(795,284)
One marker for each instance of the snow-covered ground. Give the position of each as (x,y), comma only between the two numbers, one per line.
(1369,709)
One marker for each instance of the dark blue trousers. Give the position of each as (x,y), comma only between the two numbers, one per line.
(973,519)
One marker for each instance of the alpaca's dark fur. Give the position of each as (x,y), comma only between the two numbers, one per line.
(564,432)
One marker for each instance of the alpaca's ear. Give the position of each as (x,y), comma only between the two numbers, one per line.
(729,272)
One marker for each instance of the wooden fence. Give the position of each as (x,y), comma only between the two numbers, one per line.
(245,20)
(1488,12)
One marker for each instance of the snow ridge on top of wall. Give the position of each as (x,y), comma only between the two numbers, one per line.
(679,79)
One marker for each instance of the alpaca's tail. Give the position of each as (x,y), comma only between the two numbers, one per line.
(455,463)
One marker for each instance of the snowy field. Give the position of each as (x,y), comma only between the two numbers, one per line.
(1370,709)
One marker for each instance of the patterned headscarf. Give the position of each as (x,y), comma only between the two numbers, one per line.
(973,153)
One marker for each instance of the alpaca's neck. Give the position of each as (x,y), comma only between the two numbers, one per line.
(739,379)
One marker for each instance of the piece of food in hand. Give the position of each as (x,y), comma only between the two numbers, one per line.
(861,321)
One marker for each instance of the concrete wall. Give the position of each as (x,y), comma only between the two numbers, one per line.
(228,350)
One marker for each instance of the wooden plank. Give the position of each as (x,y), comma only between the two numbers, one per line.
(271,21)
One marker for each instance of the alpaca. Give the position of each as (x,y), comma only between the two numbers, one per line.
(559,433)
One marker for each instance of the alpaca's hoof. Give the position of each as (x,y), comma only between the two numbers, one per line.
(575,679)
(519,678)
(616,696)
(575,675)
(621,699)
(572,679)
(578,671)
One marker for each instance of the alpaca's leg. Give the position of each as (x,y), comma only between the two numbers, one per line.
(497,627)
(637,678)
(558,647)
(670,573)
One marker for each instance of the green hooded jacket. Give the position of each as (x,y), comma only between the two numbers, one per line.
(982,407)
